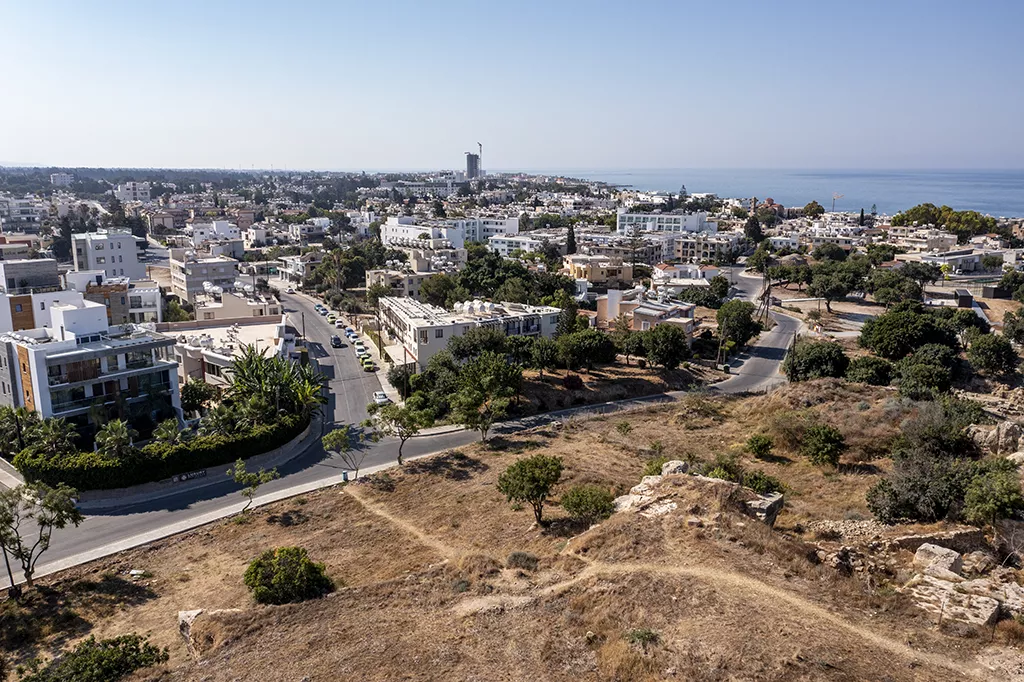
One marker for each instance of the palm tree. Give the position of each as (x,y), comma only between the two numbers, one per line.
(167,432)
(309,396)
(115,439)
(17,426)
(56,436)
(219,421)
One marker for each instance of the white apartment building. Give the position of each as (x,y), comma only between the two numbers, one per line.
(784,241)
(80,364)
(927,240)
(217,229)
(704,246)
(257,235)
(665,272)
(417,331)
(61,179)
(126,301)
(403,283)
(191,273)
(671,221)
(21,212)
(132,191)
(298,268)
(314,228)
(205,349)
(114,252)
(216,304)
(405,231)
(504,245)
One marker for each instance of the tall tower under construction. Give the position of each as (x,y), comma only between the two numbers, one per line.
(473,162)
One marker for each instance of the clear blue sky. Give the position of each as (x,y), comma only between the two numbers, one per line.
(544,84)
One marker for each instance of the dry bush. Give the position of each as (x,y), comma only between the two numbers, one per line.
(1011,631)
(619,661)
(788,427)
(478,566)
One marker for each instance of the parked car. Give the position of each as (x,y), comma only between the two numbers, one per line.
(381,398)
(369,367)
(338,324)
(332,318)
(336,342)
(289,290)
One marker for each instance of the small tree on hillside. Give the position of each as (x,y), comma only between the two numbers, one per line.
(38,505)
(993,353)
(251,480)
(815,360)
(401,422)
(340,440)
(530,480)
(823,445)
(286,575)
(588,503)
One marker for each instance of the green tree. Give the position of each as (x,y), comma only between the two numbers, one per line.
(39,505)
(813,209)
(829,251)
(993,353)
(173,312)
(341,440)
(752,230)
(286,575)
(252,480)
(635,345)
(167,431)
(544,354)
(530,480)
(1013,326)
(736,322)
(486,386)
(868,369)
(815,360)
(476,341)
(115,440)
(375,292)
(54,436)
(880,253)
(666,345)
(570,240)
(196,395)
(760,445)
(823,445)
(401,422)
(588,503)
(904,328)
(993,495)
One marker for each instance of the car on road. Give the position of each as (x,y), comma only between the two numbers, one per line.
(336,342)
(338,324)
(332,318)
(322,311)
(368,366)
(362,355)
(381,398)
(289,290)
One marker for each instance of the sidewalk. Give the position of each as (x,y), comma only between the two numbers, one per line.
(9,476)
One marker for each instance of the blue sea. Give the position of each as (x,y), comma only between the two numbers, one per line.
(998,193)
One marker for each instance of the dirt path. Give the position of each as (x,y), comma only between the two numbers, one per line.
(737,582)
(445,550)
(717,577)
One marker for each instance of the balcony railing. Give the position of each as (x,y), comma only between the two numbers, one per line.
(139,364)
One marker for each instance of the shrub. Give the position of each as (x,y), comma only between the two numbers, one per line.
(815,360)
(156,461)
(760,445)
(726,467)
(870,370)
(643,637)
(100,661)
(653,466)
(523,560)
(624,428)
(531,480)
(589,503)
(720,473)
(923,381)
(573,382)
(761,483)
(993,495)
(823,445)
(994,354)
(286,575)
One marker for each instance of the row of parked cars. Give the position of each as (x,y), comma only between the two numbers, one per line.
(365,359)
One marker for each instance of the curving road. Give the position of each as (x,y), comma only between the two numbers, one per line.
(109,531)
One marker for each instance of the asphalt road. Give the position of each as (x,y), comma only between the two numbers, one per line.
(351,390)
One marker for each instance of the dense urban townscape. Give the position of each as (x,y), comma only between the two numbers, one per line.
(547,341)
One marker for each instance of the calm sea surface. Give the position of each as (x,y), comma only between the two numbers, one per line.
(997,193)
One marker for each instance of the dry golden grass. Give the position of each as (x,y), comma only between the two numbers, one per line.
(428,594)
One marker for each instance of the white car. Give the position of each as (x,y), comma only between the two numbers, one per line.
(381,398)
(289,290)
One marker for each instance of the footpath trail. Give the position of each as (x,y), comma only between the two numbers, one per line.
(739,584)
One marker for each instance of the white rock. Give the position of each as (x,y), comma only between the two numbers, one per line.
(929,555)
(674,466)
(946,601)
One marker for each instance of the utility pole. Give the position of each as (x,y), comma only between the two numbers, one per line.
(303,326)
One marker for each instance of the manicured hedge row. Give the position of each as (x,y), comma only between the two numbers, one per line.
(156,461)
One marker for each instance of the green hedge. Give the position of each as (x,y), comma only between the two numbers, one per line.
(156,461)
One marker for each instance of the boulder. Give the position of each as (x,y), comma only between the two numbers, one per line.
(1010,595)
(674,466)
(766,507)
(943,599)
(645,486)
(934,556)
(1001,439)
(977,563)
(1017,457)
(187,621)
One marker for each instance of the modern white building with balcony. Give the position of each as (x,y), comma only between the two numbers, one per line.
(81,369)
(418,331)
(669,221)
(115,252)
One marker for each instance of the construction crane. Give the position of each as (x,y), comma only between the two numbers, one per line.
(836,195)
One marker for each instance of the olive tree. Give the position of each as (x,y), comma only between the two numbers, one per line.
(530,480)
(29,514)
